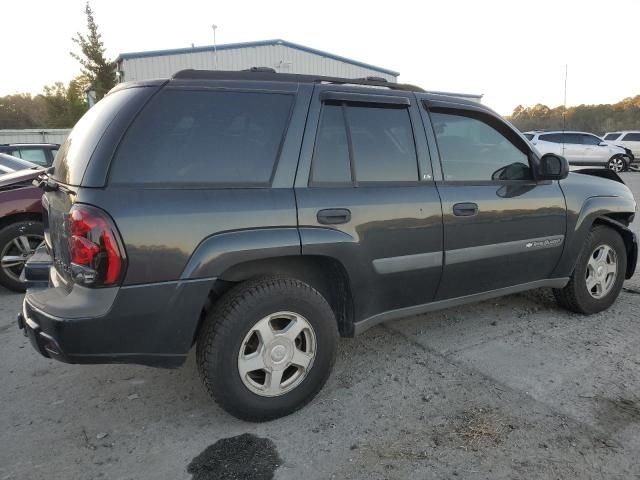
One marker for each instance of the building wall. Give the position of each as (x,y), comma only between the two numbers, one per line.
(282,58)
(34,135)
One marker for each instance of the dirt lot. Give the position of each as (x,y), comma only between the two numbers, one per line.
(509,388)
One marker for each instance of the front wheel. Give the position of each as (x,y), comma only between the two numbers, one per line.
(617,163)
(599,273)
(267,348)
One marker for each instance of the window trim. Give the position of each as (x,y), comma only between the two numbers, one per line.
(482,116)
(340,99)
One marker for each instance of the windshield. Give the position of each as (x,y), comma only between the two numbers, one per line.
(74,154)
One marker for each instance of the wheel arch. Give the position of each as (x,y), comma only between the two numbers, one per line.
(19,217)
(629,238)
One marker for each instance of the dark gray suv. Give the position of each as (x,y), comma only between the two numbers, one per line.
(259,216)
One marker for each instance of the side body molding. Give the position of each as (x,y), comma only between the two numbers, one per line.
(217,253)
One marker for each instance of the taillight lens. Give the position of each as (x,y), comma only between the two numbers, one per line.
(97,257)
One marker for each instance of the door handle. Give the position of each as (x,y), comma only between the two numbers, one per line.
(465,209)
(334,216)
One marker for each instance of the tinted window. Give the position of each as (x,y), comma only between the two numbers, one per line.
(75,152)
(551,137)
(611,136)
(34,155)
(204,137)
(631,137)
(473,150)
(331,156)
(572,138)
(591,140)
(529,136)
(383,145)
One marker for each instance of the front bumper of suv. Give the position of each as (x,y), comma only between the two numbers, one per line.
(151,324)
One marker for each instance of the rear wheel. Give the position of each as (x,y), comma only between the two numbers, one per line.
(267,348)
(18,241)
(617,163)
(599,274)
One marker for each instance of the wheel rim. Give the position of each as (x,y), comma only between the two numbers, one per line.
(602,270)
(16,253)
(277,354)
(616,164)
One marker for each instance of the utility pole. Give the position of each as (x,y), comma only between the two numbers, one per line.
(215,48)
(564,110)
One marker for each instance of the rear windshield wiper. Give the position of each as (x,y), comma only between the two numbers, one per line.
(48,184)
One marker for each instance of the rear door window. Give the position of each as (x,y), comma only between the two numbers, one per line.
(611,136)
(200,137)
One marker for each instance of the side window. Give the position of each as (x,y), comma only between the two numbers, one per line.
(572,138)
(590,140)
(611,136)
(374,142)
(528,136)
(331,162)
(14,153)
(203,137)
(34,155)
(551,137)
(472,150)
(631,137)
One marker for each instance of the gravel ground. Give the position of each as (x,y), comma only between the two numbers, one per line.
(508,388)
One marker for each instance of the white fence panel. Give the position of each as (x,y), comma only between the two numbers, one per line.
(34,135)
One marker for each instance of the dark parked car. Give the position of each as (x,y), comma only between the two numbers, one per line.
(258,216)
(21,228)
(39,153)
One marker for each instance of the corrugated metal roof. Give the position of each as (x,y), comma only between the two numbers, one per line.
(261,43)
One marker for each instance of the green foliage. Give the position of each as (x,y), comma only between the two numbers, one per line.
(65,105)
(599,119)
(97,71)
(22,111)
(57,107)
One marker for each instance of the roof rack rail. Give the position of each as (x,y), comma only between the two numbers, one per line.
(259,69)
(266,74)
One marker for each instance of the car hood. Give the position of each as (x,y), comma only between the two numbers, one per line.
(20,176)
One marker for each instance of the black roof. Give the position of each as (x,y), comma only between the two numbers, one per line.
(263,74)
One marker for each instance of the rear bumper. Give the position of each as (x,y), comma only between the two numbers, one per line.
(152,324)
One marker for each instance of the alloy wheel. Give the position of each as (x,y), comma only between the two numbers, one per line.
(15,254)
(602,270)
(277,354)
(616,164)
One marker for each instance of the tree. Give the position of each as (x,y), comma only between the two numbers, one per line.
(98,72)
(64,105)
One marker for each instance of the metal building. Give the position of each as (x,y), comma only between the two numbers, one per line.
(283,56)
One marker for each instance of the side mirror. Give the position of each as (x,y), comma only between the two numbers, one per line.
(603,144)
(553,167)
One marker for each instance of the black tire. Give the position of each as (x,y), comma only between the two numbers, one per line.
(231,319)
(575,295)
(615,162)
(31,228)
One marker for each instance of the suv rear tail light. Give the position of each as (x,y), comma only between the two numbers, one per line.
(95,250)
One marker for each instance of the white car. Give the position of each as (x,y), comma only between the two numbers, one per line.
(581,149)
(625,138)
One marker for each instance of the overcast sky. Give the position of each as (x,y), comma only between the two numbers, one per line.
(513,52)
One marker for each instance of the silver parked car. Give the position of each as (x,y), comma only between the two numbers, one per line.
(625,138)
(582,149)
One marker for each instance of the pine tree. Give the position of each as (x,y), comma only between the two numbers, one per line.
(98,72)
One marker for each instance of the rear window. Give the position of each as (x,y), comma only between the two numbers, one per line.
(631,137)
(74,154)
(611,136)
(200,137)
